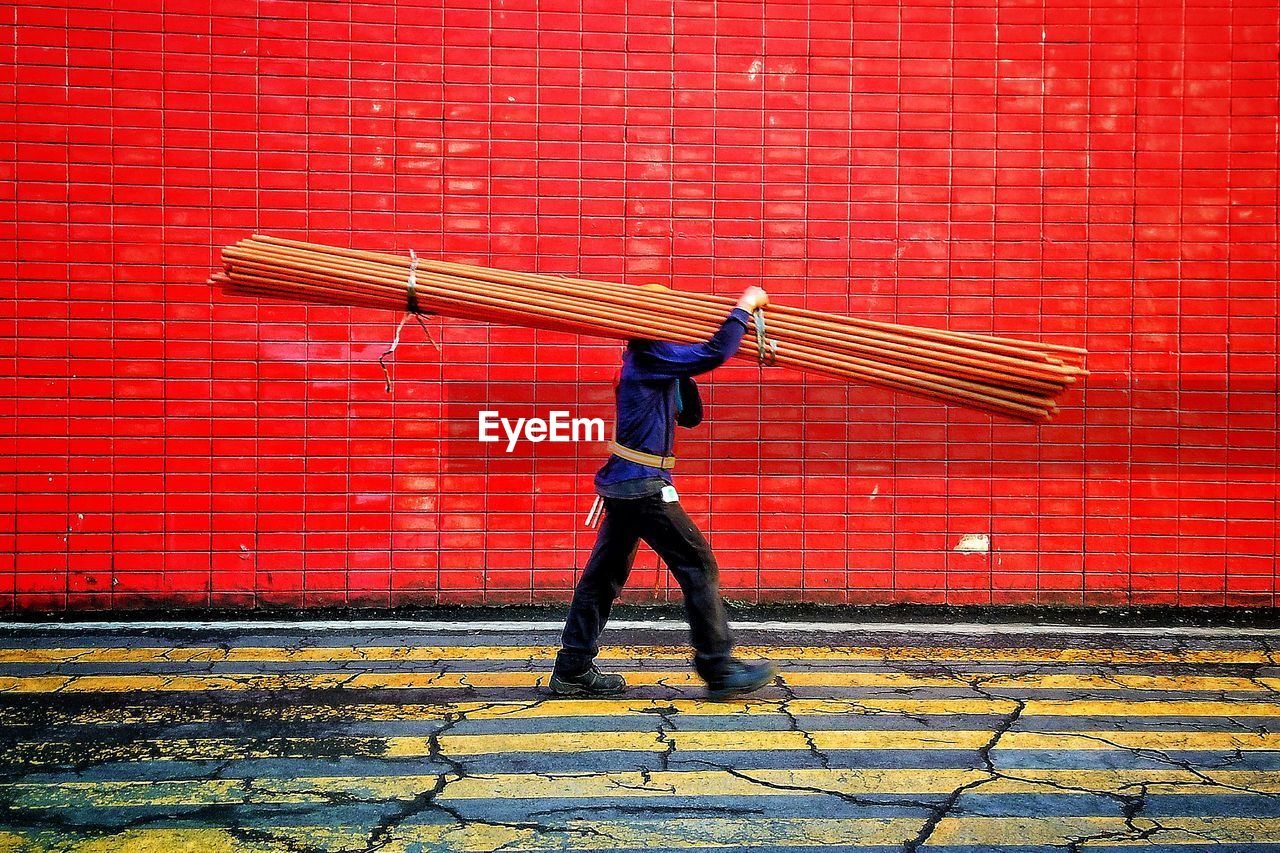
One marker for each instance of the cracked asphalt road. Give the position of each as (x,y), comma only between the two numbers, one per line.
(228,741)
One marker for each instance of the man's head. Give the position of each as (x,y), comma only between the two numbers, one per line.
(640,344)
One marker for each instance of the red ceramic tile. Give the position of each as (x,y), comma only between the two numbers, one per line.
(173,445)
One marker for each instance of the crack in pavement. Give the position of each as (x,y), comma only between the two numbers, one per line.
(856,707)
(666,725)
(383,833)
(984,754)
(1132,806)
(852,799)
(784,707)
(652,808)
(1163,757)
(231,816)
(1255,671)
(1267,649)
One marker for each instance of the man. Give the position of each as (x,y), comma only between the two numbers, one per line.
(655,392)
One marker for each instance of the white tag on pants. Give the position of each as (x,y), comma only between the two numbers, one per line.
(669,495)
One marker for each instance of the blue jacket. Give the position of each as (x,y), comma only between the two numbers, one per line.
(656,392)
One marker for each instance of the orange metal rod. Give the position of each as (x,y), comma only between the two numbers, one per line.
(1037,375)
(879,371)
(897,354)
(991,342)
(861,369)
(287,290)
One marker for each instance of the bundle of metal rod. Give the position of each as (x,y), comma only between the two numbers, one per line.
(1017,378)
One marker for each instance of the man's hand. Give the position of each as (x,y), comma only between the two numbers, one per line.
(753,298)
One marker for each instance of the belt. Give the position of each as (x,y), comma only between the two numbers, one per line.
(652,460)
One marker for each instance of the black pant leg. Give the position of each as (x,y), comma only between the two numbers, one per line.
(602,579)
(669,530)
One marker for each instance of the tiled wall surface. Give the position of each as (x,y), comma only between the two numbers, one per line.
(1096,172)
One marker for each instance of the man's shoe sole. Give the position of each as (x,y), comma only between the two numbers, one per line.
(729,692)
(566,688)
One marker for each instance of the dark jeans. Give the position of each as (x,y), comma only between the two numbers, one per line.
(668,530)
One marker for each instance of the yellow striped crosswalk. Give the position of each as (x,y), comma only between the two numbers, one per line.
(257,747)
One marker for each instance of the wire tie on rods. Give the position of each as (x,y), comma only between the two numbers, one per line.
(415,311)
(411,299)
(766,349)
(412,295)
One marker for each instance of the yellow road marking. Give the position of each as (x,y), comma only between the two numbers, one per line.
(1057,831)
(832,739)
(697,741)
(588,708)
(1068,681)
(481,838)
(1157,740)
(643,678)
(487,787)
(685,833)
(1148,708)
(412,746)
(1033,780)
(827,654)
(526,710)
(43,751)
(658,783)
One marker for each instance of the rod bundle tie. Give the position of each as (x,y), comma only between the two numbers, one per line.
(415,311)
(411,297)
(766,349)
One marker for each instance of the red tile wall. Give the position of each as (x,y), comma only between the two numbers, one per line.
(1088,171)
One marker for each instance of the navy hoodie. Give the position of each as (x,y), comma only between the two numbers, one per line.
(656,392)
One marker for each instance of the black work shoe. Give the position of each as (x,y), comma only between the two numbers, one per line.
(739,677)
(593,682)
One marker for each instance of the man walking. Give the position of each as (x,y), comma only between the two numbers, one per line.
(656,392)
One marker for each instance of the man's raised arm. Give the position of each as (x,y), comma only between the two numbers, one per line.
(668,360)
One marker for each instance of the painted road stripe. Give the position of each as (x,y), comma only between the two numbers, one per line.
(832,739)
(594,786)
(487,787)
(671,833)
(611,708)
(522,654)
(407,746)
(150,682)
(397,747)
(1146,708)
(573,708)
(480,838)
(1000,831)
